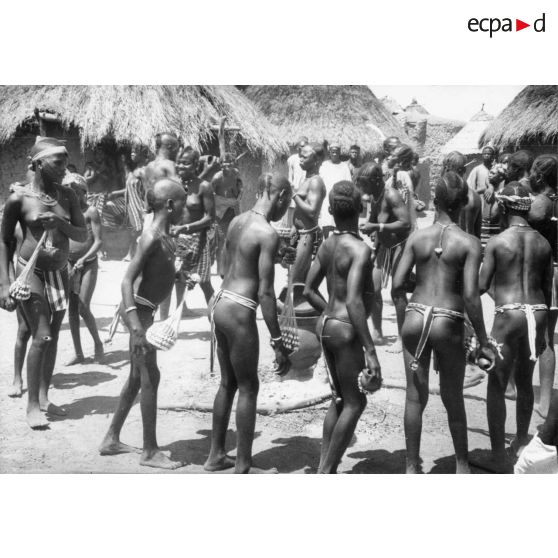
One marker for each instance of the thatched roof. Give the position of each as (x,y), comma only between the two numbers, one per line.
(531,118)
(345,113)
(392,105)
(127,111)
(466,141)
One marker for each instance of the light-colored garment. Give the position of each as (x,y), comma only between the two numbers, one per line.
(478,177)
(537,459)
(296,174)
(331,173)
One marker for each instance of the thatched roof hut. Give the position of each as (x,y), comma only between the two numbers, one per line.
(126,111)
(345,113)
(531,119)
(466,141)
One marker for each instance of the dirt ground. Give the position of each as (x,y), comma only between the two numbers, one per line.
(288,441)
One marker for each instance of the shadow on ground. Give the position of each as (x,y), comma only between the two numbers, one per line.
(94,405)
(199,335)
(72,380)
(290,454)
(378,462)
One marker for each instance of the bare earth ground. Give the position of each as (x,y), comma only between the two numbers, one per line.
(288,441)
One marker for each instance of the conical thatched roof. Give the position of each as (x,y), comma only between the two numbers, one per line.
(531,118)
(345,113)
(392,105)
(466,141)
(127,111)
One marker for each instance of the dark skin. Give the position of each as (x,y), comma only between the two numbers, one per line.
(163,166)
(348,348)
(65,221)
(541,217)
(391,211)
(518,263)
(154,262)
(308,204)
(199,215)
(80,304)
(470,218)
(451,282)
(250,250)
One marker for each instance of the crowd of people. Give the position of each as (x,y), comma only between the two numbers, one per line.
(352,223)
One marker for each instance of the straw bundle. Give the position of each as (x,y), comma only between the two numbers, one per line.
(20,289)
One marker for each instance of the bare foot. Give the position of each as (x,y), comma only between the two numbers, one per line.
(462,468)
(78,359)
(16,390)
(473,376)
(99,356)
(114,447)
(517,446)
(52,409)
(225,462)
(258,471)
(159,460)
(397,347)
(378,338)
(35,419)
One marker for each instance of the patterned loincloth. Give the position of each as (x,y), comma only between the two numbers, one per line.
(196,251)
(387,260)
(314,235)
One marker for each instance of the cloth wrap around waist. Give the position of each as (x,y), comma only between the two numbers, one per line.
(429,313)
(529,311)
(314,235)
(386,260)
(234,297)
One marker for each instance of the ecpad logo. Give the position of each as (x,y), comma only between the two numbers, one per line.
(494,24)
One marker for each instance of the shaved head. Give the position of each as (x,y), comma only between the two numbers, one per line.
(272,183)
(164,190)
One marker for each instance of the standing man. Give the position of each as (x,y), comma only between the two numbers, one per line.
(163,166)
(390,221)
(355,161)
(478,179)
(227,186)
(42,205)
(308,202)
(296,173)
(332,171)
(389,146)
(518,264)
(250,250)
(519,168)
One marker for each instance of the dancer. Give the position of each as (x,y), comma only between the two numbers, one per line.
(250,250)
(342,329)
(447,265)
(518,263)
(390,222)
(44,204)
(84,267)
(154,262)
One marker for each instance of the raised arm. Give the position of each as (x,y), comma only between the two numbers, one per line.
(269,245)
(312,205)
(314,280)
(221,137)
(12,210)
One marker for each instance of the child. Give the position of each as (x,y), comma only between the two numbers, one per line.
(154,261)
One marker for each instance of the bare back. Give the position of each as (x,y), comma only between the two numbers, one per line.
(521,259)
(337,256)
(542,217)
(246,238)
(440,279)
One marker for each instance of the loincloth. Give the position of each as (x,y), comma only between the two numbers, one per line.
(196,251)
(429,314)
(76,275)
(55,286)
(234,297)
(387,260)
(529,311)
(313,235)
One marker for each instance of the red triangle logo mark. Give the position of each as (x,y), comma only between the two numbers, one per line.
(519,25)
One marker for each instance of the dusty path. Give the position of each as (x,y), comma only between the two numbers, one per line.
(288,441)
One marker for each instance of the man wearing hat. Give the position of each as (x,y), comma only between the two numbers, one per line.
(42,205)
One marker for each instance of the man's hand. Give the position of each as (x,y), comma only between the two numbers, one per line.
(486,358)
(370,379)
(140,345)
(489,194)
(6,301)
(367,228)
(287,255)
(282,362)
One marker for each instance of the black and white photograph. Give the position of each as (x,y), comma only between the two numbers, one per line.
(278,279)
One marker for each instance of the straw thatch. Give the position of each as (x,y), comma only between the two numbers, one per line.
(127,111)
(531,118)
(466,141)
(345,113)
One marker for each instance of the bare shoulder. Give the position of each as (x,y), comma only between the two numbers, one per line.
(92,214)
(392,197)
(206,187)
(316,182)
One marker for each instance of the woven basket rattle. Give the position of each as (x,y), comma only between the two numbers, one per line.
(20,289)
(287,319)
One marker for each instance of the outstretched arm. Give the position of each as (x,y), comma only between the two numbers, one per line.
(266,295)
(313,281)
